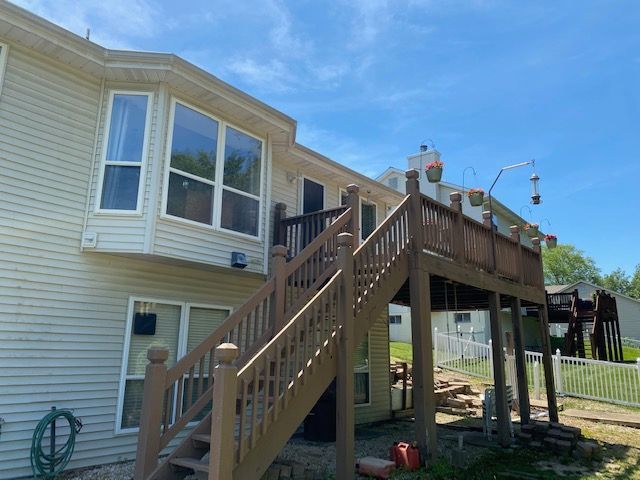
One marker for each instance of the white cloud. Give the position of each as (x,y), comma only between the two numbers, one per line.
(113,23)
(271,76)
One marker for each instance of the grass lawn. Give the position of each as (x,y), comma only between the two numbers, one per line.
(401,352)
(630,354)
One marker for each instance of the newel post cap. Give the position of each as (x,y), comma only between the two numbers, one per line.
(412,174)
(486,215)
(514,229)
(226,353)
(353,188)
(278,251)
(345,240)
(281,206)
(157,355)
(455,197)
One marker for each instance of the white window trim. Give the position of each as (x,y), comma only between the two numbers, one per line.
(301,192)
(143,161)
(368,404)
(4,50)
(217,183)
(181,350)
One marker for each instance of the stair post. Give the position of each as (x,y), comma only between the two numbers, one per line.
(223,414)
(514,230)
(278,272)
(488,222)
(153,396)
(278,229)
(458,227)
(421,333)
(345,407)
(353,202)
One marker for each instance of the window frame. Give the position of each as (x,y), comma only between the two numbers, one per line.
(183,332)
(394,315)
(218,182)
(4,50)
(143,160)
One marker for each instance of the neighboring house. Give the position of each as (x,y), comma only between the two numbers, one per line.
(503,218)
(129,184)
(628,308)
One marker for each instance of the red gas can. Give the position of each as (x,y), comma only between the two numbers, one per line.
(407,456)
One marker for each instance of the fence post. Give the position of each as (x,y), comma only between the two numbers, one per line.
(223,414)
(536,380)
(435,347)
(458,227)
(638,364)
(153,396)
(353,202)
(278,229)
(279,274)
(557,371)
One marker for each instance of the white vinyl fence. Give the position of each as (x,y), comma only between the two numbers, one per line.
(576,377)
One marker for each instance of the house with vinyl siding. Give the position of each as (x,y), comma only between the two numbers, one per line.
(130,184)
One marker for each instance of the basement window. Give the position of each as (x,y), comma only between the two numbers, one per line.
(179,327)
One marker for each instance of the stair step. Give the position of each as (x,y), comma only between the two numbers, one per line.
(192,463)
(201,437)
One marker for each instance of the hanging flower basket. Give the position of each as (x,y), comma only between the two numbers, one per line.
(531,229)
(476,197)
(551,241)
(434,171)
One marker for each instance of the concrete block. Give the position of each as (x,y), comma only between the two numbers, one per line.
(525,438)
(535,444)
(550,443)
(575,431)
(564,446)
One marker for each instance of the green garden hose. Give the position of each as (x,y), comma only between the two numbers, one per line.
(48,465)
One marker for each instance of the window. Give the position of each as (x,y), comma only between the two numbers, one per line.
(368,220)
(395,319)
(124,150)
(361,371)
(368,215)
(393,182)
(3,60)
(179,327)
(312,196)
(464,317)
(214,174)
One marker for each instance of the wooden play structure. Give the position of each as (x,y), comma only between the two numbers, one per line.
(595,320)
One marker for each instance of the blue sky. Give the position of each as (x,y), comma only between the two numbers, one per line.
(491,83)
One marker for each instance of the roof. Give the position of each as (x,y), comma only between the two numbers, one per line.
(572,286)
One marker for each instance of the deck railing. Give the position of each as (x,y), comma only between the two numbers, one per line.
(450,234)
(297,232)
(187,387)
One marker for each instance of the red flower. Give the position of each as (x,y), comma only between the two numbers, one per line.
(436,164)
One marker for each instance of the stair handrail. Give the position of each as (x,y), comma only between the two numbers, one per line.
(189,383)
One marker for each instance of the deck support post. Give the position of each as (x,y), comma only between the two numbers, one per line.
(521,365)
(353,202)
(278,273)
(345,383)
(421,336)
(223,413)
(148,450)
(547,363)
(502,407)
(278,229)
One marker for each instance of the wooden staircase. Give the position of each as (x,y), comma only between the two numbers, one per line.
(276,355)
(284,354)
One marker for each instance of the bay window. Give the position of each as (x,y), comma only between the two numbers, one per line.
(125,148)
(215,173)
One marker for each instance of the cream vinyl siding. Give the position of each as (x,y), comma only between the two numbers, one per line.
(62,312)
(123,232)
(379,407)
